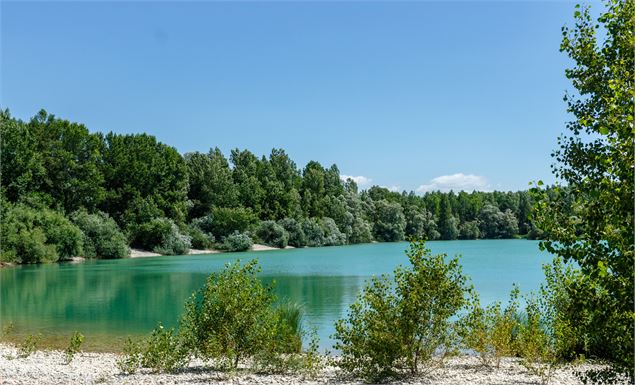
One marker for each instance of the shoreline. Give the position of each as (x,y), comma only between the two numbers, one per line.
(140,253)
(48,367)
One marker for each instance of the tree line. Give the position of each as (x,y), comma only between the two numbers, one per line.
(103,192)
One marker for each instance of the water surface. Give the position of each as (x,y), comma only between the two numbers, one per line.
(109,299)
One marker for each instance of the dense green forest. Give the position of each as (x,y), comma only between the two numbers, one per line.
(70,192)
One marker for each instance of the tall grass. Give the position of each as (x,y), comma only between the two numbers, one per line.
(290,317)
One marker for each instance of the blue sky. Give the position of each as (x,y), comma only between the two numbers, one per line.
(411,95)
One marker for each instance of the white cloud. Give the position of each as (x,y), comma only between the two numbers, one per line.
(360,180)
(456,182)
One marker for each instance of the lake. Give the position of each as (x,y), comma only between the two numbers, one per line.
(109,299)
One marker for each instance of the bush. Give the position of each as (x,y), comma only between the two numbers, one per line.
(469,230)
(200,238)
(237,242)
(162,236)
(390,222)
(74,346)
(130,360)
(297,238)
(29,345)
(164,351)
(400,325)
(228,220)
(30,235)
(102,237)
(313,231)
(361,231)
(535,344)
(231,318)
(490,331)
(273,234)
(332,234)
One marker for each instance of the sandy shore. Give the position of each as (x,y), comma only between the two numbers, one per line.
(138,253)
(47,367)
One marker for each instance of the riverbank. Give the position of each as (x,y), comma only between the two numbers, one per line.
(47,367)
(138,253)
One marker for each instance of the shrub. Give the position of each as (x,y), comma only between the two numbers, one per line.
(162,236)
(400,325)
(228,220)
(130,360)
(231,318)
(361,231)
(200,239)
(237,242)
(490,331)
(29,345)
(469,230)
(164,351)
(390,222)
(30,235)
(332,234)
(102,237)
(313,231)
(535,344)
(74,346)
(297,238)
(273,234)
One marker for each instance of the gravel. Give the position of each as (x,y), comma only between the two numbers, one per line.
(48,367)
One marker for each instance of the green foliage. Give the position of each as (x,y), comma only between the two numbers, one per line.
(420,224)
(32,235)
(399,326)
(237,242)
(162,236)
(200,239)
(210,182)
(469,230)
(297,238)
(74,346)
(490,331)
(536,344)
(163,351)
(591,221)
(273,234)
(134,179)
(390,223)
(131,357)
(29,345)
(226,221)
(313,232)
(102,237)
(497,224)
(231,317)
(143,175)
(332,234)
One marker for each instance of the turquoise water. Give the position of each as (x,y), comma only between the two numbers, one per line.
(109,299)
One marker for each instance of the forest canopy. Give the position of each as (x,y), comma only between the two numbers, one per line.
(132,190)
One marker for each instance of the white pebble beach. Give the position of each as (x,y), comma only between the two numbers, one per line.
(48,367)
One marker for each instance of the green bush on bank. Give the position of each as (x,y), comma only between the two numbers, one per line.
(491,331)
(102,237)
(161,235)
(232,319)
(273,234)
(33,235)
(397,327)
(236,242)
(297,238)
